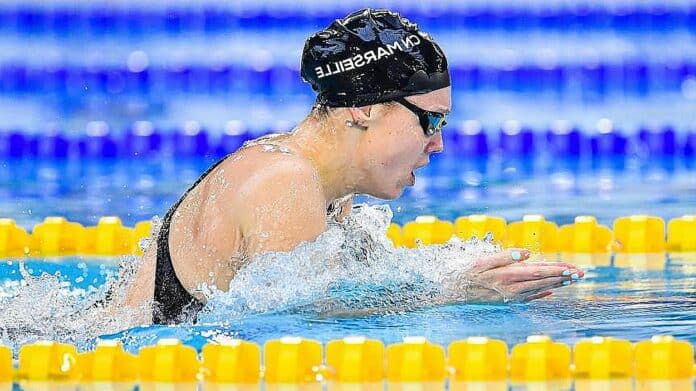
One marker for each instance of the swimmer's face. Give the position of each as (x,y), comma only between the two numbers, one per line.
(394,145)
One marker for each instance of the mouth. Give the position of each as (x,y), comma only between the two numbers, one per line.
(425,163)
(413,172)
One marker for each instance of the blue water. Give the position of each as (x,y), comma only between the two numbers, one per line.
(630,303)
(451,186)
(620,302)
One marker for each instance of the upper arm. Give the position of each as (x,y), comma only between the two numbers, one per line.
(284,207)
(139,293)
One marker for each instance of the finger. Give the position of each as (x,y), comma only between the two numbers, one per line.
(538,295)
(502,258)
(548,263)
(531,287)
(539,272)
(569,266)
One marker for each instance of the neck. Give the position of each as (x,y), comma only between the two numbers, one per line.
(331,149)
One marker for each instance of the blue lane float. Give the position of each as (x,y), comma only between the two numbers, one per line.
(142,139)
(690,144)
(52,144)
(594,78)
(233,137)
(98,142)
(14,144)
(191,140)
(516,139)
(563,139)
(631,17)
(608,141)
(658,141)
(469,139)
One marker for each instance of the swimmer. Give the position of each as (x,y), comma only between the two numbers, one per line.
(383,96)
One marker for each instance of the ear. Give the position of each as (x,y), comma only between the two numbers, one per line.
(360,115)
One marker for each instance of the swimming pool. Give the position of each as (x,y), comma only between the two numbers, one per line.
(561,111)
(630,301)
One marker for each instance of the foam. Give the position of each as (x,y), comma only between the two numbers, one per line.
(351,267)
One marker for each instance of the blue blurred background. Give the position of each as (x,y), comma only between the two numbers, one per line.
(559,107)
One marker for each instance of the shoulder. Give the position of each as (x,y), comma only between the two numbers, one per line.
(282,199)
(278,175)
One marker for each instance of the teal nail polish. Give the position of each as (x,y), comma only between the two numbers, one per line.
(575,276)
(566,272)
(566,282)
(516,256)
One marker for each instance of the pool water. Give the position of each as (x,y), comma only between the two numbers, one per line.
(629,301)
(560,188)
(624,303)
(78,75)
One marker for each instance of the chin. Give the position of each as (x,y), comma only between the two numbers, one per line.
(385,187)
(388,194)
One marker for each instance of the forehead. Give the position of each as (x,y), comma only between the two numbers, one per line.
(438,100)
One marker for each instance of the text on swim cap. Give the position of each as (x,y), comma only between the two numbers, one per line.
(362,59)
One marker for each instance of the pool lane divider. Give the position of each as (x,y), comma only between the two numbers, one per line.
(56,236)
(468,140)
(355,360)
(630,236)
(595,77)
(98,22)
(636,234)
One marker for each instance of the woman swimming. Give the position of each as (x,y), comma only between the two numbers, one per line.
(383,95)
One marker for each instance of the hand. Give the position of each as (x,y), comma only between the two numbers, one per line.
(504,277)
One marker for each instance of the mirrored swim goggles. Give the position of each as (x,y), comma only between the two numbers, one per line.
(431,122)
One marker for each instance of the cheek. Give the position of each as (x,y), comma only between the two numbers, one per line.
(393,155)
(395,163)
(406,145)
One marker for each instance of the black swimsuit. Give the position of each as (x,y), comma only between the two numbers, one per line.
(173,303)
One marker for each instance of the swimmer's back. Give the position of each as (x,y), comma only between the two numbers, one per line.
(261,198)
(258,190)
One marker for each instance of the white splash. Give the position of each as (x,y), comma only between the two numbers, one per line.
(352,268)
(46,308)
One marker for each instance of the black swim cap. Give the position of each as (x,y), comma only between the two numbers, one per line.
(372,56)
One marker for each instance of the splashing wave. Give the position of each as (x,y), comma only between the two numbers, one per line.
(350,269)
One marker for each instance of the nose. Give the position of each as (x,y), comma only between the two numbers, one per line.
(435,143)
